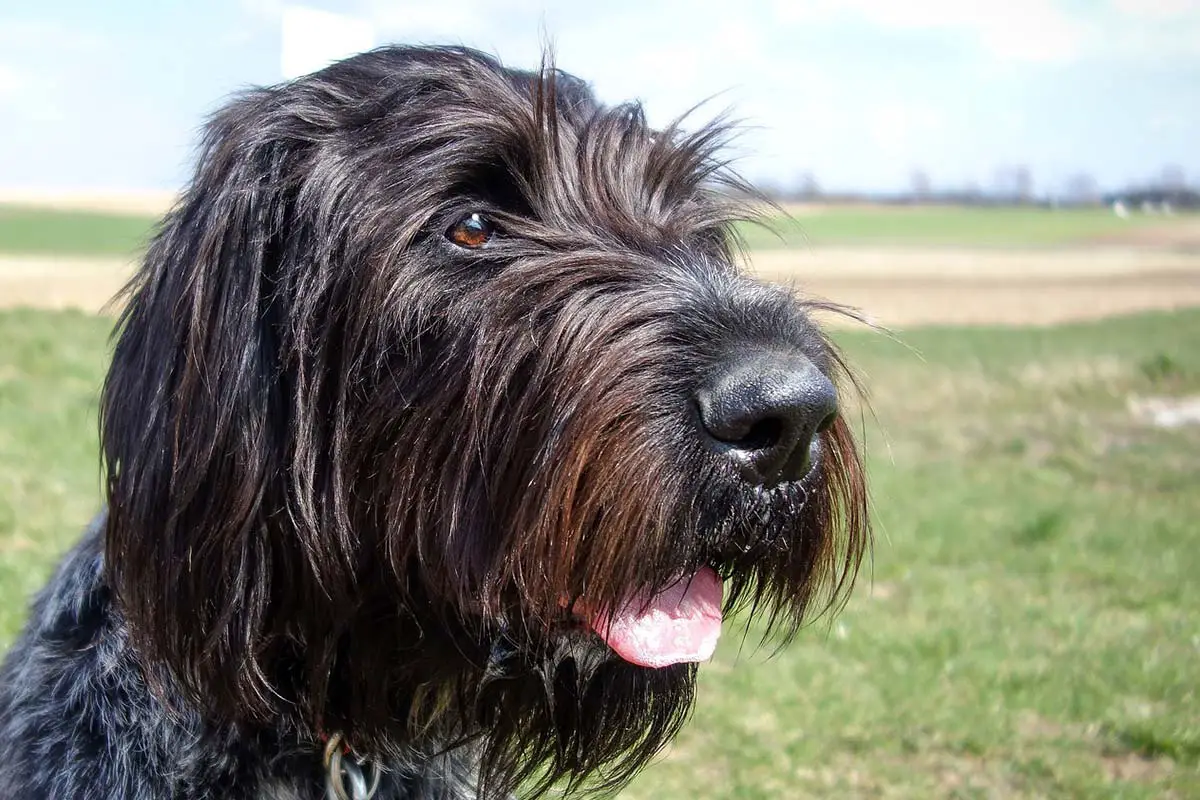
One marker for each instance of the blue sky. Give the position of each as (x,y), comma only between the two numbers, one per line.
(109,95)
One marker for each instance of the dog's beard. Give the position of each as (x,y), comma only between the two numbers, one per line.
(571,693)
(565,711)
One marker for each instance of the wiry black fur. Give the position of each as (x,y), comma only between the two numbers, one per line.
(358,477)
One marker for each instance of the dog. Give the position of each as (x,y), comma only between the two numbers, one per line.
(442,430)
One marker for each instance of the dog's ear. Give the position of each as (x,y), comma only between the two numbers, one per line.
(194,419)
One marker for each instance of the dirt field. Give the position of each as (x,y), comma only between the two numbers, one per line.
(906,287)
(893,287)
(132,201)
(86,284)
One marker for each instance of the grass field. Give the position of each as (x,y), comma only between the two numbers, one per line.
(42,231)
(1030,624)
(933,225)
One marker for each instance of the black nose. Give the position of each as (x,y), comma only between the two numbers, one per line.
(763,412)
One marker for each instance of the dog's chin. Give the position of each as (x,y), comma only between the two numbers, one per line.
(681,622)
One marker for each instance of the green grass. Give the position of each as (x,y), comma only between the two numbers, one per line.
(51,365)
(42,232)
(1030,626)
(943,226)
(39,231)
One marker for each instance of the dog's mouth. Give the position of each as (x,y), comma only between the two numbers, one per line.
(680,624)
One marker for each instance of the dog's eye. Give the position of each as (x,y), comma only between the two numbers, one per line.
(472,231)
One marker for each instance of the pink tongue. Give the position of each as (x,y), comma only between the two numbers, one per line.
(682,623)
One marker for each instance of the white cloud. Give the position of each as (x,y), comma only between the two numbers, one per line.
(11,81)
(896,127)
(1175,120)
(30,34)
(26,97)
(1154,30)
(1031,31)
(262,10)
(313,39)
(1168,9)
(1017,30)
(463,20)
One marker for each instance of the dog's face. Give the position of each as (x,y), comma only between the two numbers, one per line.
(441,409)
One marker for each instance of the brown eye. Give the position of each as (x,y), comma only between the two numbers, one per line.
(473,230)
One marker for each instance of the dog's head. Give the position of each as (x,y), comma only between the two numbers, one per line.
(440,409)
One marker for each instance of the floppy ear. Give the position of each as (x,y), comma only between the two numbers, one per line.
(195,421)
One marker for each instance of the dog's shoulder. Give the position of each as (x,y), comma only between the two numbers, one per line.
(61,684)
(73,608)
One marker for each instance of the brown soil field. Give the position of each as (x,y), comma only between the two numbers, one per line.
(895,287)
(903,287)
(132,201)
(86,284)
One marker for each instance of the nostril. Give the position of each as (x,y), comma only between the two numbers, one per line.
(762,434)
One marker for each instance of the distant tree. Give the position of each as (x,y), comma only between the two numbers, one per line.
(808,188)
(1081,189)
(771,189)
(921,185)
(1004,185)
(1023,184)
(1172,178)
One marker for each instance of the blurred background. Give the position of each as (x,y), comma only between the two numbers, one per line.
(1012,189)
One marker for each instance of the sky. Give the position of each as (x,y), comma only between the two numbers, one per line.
(859,93)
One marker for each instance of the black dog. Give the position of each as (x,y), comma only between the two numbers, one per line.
(440,430)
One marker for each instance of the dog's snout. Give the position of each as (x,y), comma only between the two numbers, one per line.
(763,413)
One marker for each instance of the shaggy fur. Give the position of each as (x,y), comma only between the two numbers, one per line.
(358,476)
